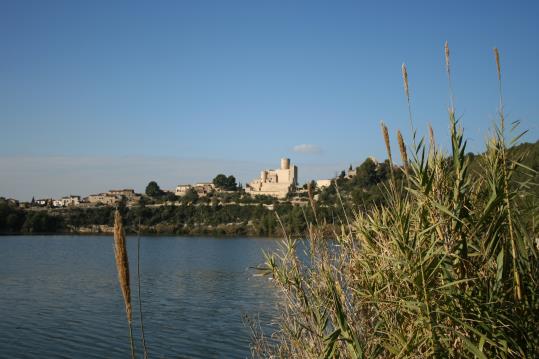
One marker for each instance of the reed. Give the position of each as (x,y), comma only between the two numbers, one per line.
(122,267)
(444,270)
(385,135)
(402,149)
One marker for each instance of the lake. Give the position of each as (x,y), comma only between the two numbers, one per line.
(59,296)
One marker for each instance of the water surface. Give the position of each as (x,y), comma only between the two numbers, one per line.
(59,296)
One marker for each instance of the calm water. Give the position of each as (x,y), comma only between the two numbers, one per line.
(59,296)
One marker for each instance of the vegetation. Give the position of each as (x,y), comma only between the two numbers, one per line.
(225,183)
(153,190)
(446,266)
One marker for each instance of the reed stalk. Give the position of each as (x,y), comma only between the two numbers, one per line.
(402,149)
(143,337)
(122,267)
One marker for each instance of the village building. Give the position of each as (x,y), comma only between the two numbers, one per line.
(102,198)
(277,183)
(43,202)
(202,189)
(127,193)
(322,183)
(181,190)
(68,201)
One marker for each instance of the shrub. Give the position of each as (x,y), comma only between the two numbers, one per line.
(446,268)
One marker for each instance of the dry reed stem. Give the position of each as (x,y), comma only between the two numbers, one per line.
(405,80)
(448,70)
(122,263)
(385,134)
(312,201)
(122,266)
(498,67)
(402,148)
(143,337)
(432,139)
(516,275)
(447,62)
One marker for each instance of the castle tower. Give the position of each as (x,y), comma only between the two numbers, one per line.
(285,163)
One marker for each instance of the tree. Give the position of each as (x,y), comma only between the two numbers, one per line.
(220,181)
(231,183)
(190,196)
(153,190)
(366,174)
(225,183)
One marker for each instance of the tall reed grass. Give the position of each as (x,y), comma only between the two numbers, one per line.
(122,266)
(444,270)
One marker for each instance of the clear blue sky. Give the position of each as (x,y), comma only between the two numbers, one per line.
(100,94)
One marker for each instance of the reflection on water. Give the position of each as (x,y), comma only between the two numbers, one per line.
(59,296)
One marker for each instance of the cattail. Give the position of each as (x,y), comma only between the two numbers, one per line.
(122,266)
(402,148)
(405,80)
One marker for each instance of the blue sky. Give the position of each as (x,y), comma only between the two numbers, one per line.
(102,94)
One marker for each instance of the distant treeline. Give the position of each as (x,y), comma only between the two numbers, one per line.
(234,214)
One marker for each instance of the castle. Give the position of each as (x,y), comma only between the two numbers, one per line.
(277,183)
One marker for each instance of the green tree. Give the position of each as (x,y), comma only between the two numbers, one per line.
(153,190)
(225,183)
(231,183)
(366,174)
(220,181)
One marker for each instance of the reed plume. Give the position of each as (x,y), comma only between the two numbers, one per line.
(385,134)
(448,71)
(432,139)
(402,149)
(447,63)
(498,67)
(405,80)
(122,266)
(407,93)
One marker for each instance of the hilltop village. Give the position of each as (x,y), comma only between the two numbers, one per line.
(265,206)
(219,207)
(281,183)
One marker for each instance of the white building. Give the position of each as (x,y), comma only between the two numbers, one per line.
(322,183)
(182,189)
(66,201)
(43,202)
(277,183)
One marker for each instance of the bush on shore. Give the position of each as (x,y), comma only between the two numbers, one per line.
(446,268)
